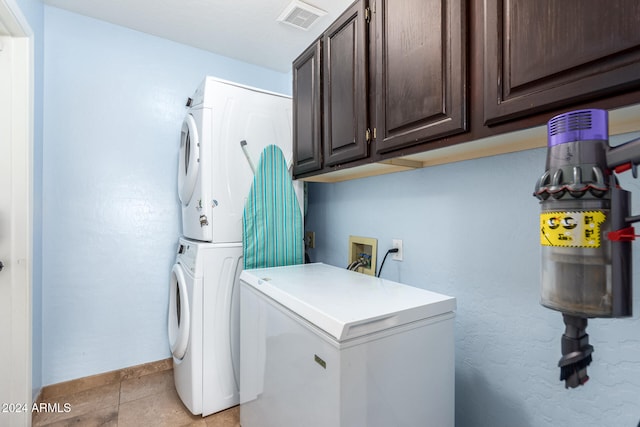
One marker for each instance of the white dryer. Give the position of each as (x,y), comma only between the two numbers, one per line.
(214,174)
(204,324)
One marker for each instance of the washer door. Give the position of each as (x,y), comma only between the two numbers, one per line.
(189,159)
(179,314)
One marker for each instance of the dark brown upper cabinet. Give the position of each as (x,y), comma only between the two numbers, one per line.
(547,54)
(307,110)
(345,87)
(420,71)
(394,79)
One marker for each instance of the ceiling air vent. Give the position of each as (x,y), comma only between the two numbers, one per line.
(300,15)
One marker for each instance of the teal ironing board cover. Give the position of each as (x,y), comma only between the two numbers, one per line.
(272,230)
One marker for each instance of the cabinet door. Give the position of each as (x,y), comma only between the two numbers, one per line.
(421,79)
(307,110)
(545,54)
(345,87)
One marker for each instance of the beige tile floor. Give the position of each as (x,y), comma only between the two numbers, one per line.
(147,400)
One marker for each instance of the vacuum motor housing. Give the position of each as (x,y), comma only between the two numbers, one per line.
(584,232)
(584,273)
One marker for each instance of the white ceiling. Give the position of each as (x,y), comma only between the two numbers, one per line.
(242,29)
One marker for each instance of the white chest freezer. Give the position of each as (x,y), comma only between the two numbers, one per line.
(327,347)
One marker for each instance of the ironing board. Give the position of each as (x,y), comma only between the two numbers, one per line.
(272,231)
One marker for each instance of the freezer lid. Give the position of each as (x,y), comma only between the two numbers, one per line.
(343,303)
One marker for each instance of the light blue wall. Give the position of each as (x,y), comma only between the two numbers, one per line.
(470,230)
(33,12)
(114,104)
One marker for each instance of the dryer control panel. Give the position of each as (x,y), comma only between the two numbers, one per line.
(186,255)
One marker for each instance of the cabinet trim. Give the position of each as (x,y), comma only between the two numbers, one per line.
(355,147)
(452,115)
(508,95)
(314,162)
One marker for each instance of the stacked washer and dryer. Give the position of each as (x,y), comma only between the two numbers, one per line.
(214,178)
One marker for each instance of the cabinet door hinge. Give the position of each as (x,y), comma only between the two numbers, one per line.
(367,14)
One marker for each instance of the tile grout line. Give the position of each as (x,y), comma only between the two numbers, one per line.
(118,404)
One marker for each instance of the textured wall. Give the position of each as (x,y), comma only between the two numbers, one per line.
(114,104)
(470,230)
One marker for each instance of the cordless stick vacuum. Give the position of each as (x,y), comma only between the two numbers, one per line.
(585,231)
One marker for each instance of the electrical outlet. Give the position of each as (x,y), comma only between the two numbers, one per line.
(397,243)
(310,239)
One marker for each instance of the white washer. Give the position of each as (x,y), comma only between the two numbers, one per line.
(204,324)
(214,175)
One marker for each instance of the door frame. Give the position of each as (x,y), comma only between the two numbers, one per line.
(19,266)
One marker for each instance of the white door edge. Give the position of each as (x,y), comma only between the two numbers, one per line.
(13,19)
(18,267)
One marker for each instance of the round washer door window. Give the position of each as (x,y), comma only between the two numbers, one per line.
(179,315)
(189,159)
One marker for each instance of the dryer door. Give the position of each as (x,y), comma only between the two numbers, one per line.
(179,314)
(189,159)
